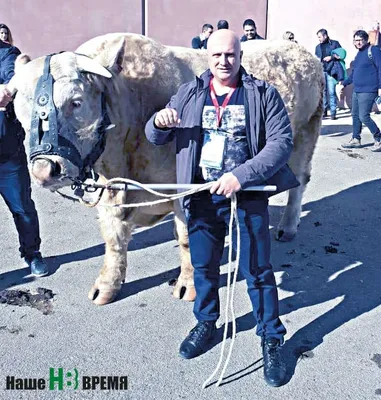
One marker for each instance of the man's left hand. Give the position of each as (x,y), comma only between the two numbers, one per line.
(379,92)
(327,59)
(226,185)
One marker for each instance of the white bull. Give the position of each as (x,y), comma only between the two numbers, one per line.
(137,77)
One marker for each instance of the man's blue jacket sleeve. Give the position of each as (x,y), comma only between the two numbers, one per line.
(7,63)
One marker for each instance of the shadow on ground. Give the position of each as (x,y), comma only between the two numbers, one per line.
(160,233)
(333,257)
(336,130)
(21,276)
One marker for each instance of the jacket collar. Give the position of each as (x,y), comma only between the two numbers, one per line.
(204,80)
(365,47)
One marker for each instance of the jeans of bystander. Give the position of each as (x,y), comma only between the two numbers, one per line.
(329,94)
(362,104)
(15,188)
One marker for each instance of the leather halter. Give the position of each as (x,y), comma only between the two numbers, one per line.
(44,135)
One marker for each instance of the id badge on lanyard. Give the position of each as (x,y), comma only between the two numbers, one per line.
(213,148)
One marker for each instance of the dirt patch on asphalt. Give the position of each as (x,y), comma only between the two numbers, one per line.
(42,299)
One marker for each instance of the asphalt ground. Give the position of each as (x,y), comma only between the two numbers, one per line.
(329,286)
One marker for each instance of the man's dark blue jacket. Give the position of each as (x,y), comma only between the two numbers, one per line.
(335,69)
(197,43)
(366,72)
(11,133)
(257,37)
(268,132)
(328,46)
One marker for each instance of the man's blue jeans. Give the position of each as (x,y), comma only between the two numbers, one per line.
(362,104)
(329,94)
(208,221)
(16,192)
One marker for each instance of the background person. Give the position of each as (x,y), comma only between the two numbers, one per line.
(366,79)
(289,36)
(229,154)
(222,24)
(15,185)
(5,34)
(250,31)
(201,41)
(323,52)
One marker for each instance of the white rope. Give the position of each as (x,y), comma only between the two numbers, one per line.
(229,297)
(167,197)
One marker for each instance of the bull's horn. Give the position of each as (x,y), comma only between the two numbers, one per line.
(87,64)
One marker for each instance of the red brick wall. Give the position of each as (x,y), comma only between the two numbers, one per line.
(176,22)
(40,27)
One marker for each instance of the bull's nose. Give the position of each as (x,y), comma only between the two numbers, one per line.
(45,169)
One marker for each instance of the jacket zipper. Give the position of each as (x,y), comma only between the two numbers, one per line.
(247,122)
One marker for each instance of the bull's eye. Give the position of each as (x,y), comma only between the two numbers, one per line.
(76,104)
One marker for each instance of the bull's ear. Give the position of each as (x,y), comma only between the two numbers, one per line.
(87,64)
(113,56)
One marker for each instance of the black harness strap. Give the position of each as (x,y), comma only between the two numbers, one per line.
(44,136)
(48,141)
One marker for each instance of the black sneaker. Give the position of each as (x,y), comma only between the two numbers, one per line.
(37,264)
(325,114)
(197,340)
(333,116)
(274,368)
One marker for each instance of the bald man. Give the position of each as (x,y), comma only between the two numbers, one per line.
(233,130)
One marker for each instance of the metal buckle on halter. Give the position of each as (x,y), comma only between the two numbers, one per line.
(77,188)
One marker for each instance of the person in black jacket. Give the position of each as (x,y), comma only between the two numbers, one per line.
(15,185)
(201,41)
(336,67)
(244,139)
(323,52)
(250,30)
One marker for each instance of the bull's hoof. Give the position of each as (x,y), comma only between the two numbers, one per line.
(184,292)
(101,297)
(283,236)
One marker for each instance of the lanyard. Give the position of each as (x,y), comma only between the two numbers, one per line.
(219,109)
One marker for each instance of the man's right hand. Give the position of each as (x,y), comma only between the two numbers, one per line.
(339,88)
(167,118)
(5,96)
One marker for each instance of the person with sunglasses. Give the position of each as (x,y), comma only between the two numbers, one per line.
(366,80)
